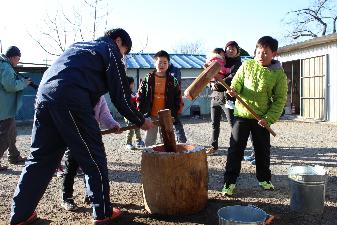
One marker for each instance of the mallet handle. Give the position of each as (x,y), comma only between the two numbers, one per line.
(257,117)
(113,130)
(130,127)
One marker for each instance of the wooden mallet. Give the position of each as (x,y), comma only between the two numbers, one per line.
(166,127)
(205,77)
(201,81)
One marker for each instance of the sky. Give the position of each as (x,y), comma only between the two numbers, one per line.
(154,24)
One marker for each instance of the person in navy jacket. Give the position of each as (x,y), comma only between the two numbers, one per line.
(64,117)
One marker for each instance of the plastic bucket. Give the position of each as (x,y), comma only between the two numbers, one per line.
(307,188)
(243,215)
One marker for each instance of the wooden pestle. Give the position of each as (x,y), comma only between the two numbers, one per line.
(166,127)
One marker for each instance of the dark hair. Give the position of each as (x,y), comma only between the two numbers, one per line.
(119,32)
(162,53)
(218,51)
(267,41)
(130,80)
(13,51)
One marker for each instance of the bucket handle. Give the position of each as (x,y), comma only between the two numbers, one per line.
(269,218)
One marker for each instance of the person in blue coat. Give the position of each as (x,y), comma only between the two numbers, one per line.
(64,117)
(11,86)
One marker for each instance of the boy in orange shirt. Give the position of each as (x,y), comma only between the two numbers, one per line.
(159,90)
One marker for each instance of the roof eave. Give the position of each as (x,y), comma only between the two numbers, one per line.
(309,43)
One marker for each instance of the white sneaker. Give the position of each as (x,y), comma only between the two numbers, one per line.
(229,104)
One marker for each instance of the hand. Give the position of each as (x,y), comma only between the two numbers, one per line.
(117,128)
(147,124)
(263,123)
(29,81)
(231,92)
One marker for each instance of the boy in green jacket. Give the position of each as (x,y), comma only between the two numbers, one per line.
(262,84)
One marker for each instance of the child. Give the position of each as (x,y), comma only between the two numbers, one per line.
(139,142)
(262,84)
(158,91)
(106,121)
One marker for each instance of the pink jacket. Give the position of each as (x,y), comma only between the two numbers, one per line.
(214,57)
(103,115)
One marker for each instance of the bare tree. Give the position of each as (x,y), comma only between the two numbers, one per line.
(316,20)
(189,48)
(63,28)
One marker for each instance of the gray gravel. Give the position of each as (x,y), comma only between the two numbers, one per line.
(296,143)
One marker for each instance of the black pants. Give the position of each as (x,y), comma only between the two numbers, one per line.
(238,141)
(54,129)
(70,171)
(217,110)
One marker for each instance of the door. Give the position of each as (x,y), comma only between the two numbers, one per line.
(313,88)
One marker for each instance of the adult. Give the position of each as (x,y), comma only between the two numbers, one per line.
(64,117)
(221,102)
(11,86)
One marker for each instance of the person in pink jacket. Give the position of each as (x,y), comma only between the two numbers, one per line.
(218,55)
(106,121)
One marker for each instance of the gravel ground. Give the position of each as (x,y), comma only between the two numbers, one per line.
(296,143)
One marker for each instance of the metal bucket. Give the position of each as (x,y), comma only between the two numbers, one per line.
(243,215)
(307,188)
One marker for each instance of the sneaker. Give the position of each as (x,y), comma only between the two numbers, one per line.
(69,204)
(140,144)
(229,104)
(228,189)
(130,147)
(253,162)
(30,220)
(116,212)
(18,160)
(249,158)
(211,151)
(267,185)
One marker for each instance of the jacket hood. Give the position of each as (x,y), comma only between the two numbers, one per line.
(275,65)
(3,58)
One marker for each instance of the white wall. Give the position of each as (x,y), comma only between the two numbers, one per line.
(327,49)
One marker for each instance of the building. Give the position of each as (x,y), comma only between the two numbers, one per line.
(138,65)
(311,67)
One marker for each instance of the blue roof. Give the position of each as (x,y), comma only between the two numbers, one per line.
(181,61)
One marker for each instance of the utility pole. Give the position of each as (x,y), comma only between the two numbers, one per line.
(0,46)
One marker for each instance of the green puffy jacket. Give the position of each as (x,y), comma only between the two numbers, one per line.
(263,88)
(11,86)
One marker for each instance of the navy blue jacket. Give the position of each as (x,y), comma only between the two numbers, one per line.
(83,73)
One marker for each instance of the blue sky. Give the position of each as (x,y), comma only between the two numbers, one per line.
(166,24)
